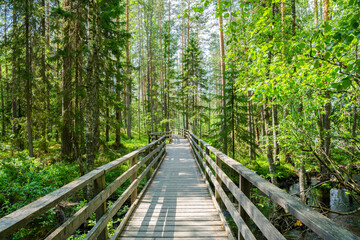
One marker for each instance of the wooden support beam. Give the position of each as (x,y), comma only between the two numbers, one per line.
(244,186)
(133,178)
(218,179)
(99,186)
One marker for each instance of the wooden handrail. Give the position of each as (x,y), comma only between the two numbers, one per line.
(18,219)
(156,135)
(320,224)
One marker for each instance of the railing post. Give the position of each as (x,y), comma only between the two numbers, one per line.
(156,146)
(99,186)
(244,186)
(197,142)
(218,179)
(207,153)
(147,152)
(133,178)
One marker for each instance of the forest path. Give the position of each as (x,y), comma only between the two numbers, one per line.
(177,204)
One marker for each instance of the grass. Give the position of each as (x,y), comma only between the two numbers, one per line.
(24,179)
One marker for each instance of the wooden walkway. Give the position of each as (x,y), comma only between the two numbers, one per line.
(177,204)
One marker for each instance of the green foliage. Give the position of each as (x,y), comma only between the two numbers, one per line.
(24,179)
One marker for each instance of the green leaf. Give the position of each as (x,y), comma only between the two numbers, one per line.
(327,55)
(226,15)
(185,15)
(355,25)
(316,65)
(327,27)
(345,84)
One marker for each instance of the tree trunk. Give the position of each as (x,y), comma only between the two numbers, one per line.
(107,125)
(78,120)
(250,128)
(327,109)
(14,87)
(3,130)
(67,121)
(2,105)
(140,72)
(128,76)
(354,125)
(44,80)
(302,181)
(269,150)
(222,76)
(302,176)
(168,79)
(28,80)
(275,133)
(316,13)
(151,72)
(92,92)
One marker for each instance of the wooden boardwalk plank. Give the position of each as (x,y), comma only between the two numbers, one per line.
(188,234)
(177,204)
(164,238)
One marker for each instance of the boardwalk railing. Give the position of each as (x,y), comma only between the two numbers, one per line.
(213,169)
(154,154)
(156,135)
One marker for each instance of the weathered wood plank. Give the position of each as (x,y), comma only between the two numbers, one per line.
(177,218)
(174,206)
(206,209)
(174,234)
(172,214)
(173,228)
(177,194)
(164,238)
(136,223)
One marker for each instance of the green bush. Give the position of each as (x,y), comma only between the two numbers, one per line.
(24,179)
